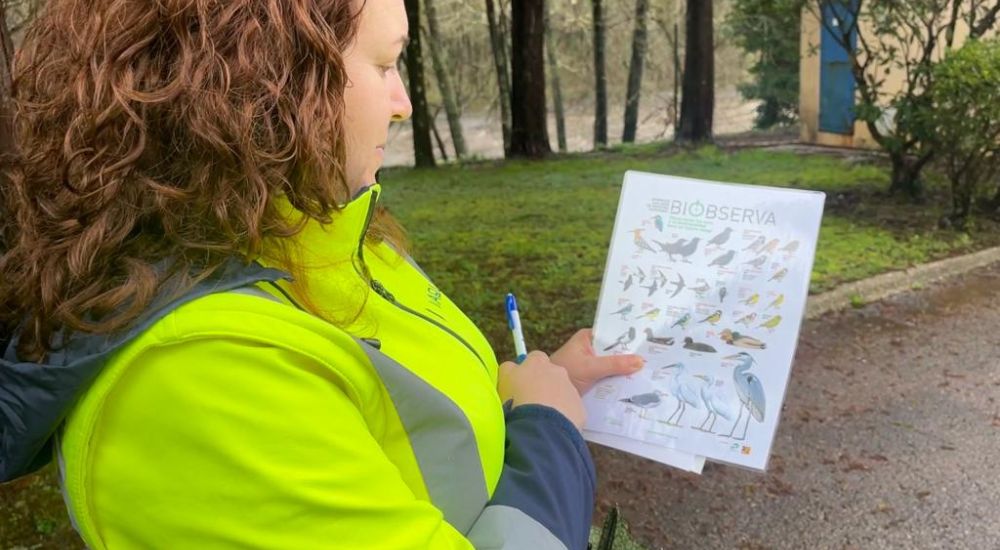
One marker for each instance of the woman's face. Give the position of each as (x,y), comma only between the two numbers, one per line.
(375,95)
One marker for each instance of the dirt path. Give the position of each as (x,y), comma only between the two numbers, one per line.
(889,437)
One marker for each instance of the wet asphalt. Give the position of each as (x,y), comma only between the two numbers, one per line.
(889,438)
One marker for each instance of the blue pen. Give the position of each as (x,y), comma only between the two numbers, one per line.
(514,322)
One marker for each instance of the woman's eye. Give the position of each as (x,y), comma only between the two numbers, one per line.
(385,69)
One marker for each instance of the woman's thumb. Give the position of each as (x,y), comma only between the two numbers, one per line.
(611,365)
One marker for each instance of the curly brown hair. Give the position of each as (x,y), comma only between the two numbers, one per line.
(162,130)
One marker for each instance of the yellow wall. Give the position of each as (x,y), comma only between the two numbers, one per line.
(809,74)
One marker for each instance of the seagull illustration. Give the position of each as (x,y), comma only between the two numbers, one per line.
(724,260)
(713,318)
(651,314)
(769,247)
(757,262)
(779,275)
(641,242)
(624,340)
(747,319)
(776,303)
(645,401)
(683,321)
(752,300)
(690,344)
(660,340)
(771,323)
(624,311)
(721,238)
(678,285)
(757,242)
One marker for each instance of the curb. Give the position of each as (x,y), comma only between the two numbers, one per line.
(888,284)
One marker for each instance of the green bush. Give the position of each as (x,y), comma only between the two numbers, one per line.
(962,122)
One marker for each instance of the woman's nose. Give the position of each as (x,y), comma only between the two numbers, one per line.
(401,107)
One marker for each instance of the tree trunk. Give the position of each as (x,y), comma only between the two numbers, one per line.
(635,72)
(423,150)
(553,71)
(600,79)
(698,95)
(451,107)
(499,47)
(905,176)
(529,134)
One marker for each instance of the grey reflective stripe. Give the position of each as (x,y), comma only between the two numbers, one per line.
(508,528)
(254,291)
(442,440)
(57,445)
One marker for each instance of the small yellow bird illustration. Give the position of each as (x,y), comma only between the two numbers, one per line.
(771,323)
(752,300)
(713,318)
(651,314)
(777,302)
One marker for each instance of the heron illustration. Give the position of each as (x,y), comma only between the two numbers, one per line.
(686,388)
(716,400)
(749,389)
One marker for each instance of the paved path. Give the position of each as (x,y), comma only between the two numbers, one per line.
(889,438)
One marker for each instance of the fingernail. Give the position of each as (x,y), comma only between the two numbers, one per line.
(637,364)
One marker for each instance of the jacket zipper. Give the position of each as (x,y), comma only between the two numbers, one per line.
(384,293)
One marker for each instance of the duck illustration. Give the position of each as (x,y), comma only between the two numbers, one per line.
(690,344)
(741,340)
(659,340)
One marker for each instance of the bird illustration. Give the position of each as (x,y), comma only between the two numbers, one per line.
(747,319)
(659,340)
(722,294)
(791,247)
(716,400)
(776,303)
(690,344)
(624,312)
(757,242)
(624,340)
(702,288)
(724,260)
(640,242)
(779,275)
(680,247)
(678,285)
(741,340)
(683,321)
(658,221)
(757,262)
(752,300)
(651,314)
(651,288)
(721,238)
(749,389)
(627,282)
(713,318)
(686,388)
(769,247)
(645,401)
(771,323)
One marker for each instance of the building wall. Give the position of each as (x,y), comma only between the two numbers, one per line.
(809,82)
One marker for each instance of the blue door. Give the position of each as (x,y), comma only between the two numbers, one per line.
(836,83)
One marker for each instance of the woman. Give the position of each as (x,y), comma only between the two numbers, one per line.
(214,325)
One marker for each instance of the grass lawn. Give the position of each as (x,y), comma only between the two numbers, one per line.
(541,229)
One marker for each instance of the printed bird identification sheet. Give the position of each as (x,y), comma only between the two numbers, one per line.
(708,282)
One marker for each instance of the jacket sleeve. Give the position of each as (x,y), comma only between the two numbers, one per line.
(228,444)
(545,496)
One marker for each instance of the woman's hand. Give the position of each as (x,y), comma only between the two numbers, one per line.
(585,367)
(537,380)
